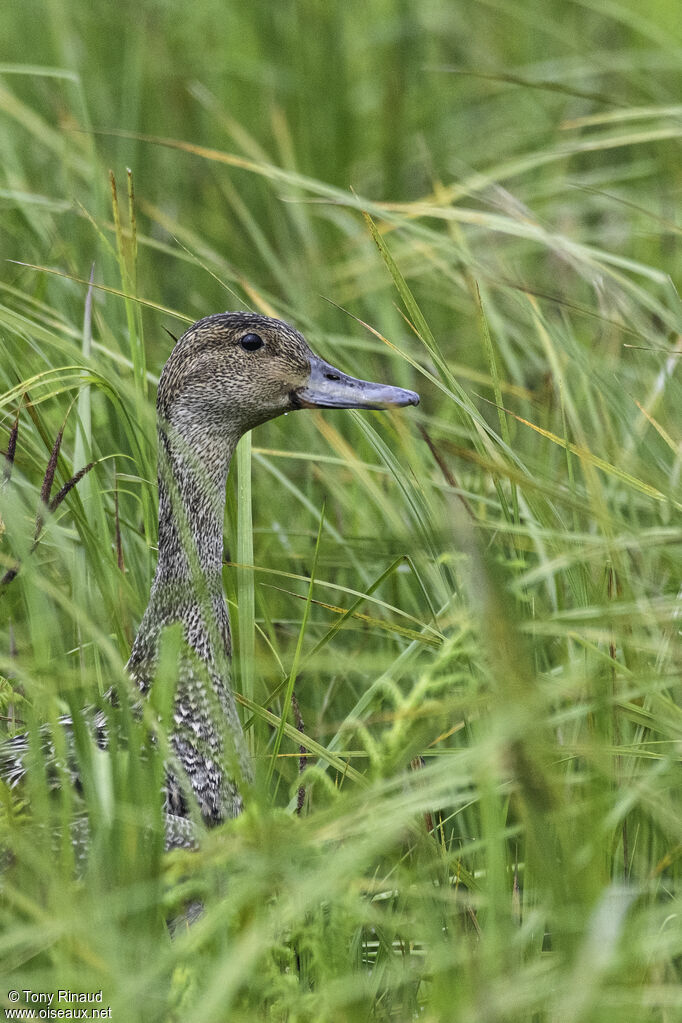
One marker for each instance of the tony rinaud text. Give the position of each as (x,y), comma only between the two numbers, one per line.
(48,997)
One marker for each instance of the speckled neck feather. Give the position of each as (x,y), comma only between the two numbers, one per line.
(187,588)
(195,448)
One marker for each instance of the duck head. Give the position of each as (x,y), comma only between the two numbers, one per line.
(233,371)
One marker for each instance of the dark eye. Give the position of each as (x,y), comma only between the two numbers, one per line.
(251,342)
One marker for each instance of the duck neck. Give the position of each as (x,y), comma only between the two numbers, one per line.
(192,477)
(187,586)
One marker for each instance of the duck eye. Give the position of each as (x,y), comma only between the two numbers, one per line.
(251,342)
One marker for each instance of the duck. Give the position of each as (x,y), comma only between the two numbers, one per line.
(229,373)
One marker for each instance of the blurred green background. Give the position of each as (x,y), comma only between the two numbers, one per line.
(491,824)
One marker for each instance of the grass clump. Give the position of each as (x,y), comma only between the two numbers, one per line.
(458,629)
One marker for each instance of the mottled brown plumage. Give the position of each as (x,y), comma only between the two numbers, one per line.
(227,374)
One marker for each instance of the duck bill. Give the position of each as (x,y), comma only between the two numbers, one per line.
(328,387)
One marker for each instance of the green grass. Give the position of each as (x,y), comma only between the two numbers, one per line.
(475,603)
